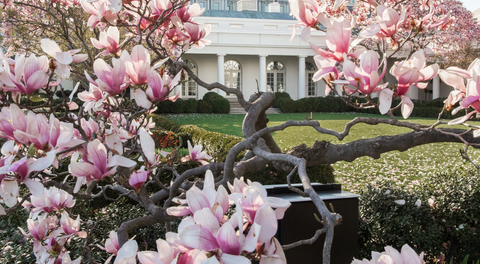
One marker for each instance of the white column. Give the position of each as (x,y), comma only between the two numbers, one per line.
(301,77)
(436,87)
(221,72)
(262,82)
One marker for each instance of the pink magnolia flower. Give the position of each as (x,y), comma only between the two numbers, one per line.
(99,10)
(29,76)
(338,37)
(96,165)
(71,226)
(196,154)
(327,71)
(137,64)
(148,149)
(52,199)
(109,41)
(365,77)
(197,35)
(408,72)
(307,13)
(158,89)
(19,171)
(111,245)
(63,59)
(470,93)
(127,253)
(187,12)
(216,200)
(165,254)
(391,255)
(93,98)
(138,178)
(111,80)
(389,20)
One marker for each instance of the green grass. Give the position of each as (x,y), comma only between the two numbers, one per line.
(406,168)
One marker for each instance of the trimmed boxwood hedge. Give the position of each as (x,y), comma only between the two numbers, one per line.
(211,103)
(430,109)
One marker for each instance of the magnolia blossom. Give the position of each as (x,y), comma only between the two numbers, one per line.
(63,59)
(30,74)
(52,199)
(111,80)
(109,41)
(158,89)
(20,171)
(408,72)
(391,255)
(96,165)
(196,154)
(389,21)
(138,178)
(364,78)
(137,64)
(197,35)
(111,245)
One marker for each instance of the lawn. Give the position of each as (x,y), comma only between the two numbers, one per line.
(406,168)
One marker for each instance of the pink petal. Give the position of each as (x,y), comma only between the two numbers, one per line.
(196,199)
(228,240)
(199,237)
(407,107)
(266,218)
(148,145)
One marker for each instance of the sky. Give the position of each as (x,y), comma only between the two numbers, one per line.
(471,5)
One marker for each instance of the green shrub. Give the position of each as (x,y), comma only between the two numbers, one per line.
(210,96)
(164,107)
(445,222)
(215,144)
(204,107)
(270,175)
(190,105)
(303,105)
(287,106)
(164,123)
(177,106)
(220,106)
(279,96)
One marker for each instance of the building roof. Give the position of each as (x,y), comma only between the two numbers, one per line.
(247,14)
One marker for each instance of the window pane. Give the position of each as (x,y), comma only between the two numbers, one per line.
(215,6)
(280,82)
(311,85)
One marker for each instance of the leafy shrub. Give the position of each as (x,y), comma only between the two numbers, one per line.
(445,222)
(210,96)
(177,106)
(204,107)
(164,107)
(164,123)
(215,144)
(220,106)
(270,175)
(279,96)
(190,105)
(287,106)
(301,106)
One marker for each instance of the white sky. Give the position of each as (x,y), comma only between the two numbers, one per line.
(471,5)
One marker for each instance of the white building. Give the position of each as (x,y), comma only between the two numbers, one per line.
(250,45)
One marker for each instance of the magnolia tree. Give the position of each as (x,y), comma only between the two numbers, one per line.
(107,140)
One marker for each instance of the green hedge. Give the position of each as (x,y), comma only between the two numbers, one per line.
(270,175)
(211,103)
(430,109)
(448,225)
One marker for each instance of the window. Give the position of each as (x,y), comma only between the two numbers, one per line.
(189,87)
(216,6)
(275,77)
(309,72)
(202,5)
(233,74)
